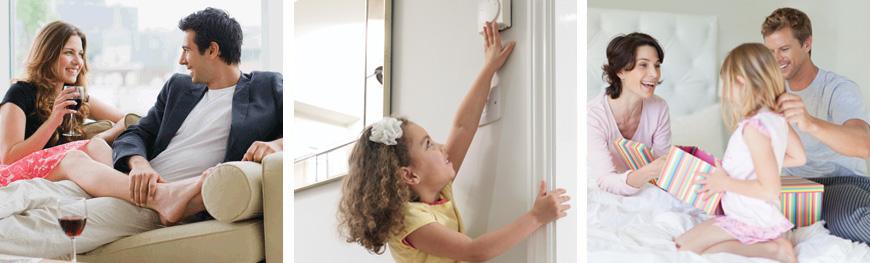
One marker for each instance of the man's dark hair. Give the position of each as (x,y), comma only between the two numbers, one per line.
(215,25)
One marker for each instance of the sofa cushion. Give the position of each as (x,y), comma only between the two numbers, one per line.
(130,119)
(234,191)
(207,241)
(93,128)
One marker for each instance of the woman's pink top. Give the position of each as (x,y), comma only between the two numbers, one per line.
(605,163)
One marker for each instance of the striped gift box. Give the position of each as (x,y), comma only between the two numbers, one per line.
(681,169)
(801,200)
(635,154)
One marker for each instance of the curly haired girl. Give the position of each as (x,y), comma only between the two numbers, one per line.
(398,192)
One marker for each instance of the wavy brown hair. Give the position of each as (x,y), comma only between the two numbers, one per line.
(764,82)
(373,197)
(42,71)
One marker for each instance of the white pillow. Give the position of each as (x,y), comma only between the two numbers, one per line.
(704,129)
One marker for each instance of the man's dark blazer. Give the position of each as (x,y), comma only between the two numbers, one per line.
(256,116)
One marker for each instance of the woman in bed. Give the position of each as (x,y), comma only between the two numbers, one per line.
(630,110)
(33,110)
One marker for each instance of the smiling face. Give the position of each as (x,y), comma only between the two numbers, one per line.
(71,60)
(790,55)
(429,162)
(197,63)
(644,77)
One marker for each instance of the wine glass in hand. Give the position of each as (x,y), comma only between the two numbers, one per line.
(80,90)
(72,214)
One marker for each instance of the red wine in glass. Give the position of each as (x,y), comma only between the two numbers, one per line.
(78,99)
(72,225)
(77,106)
(72,214)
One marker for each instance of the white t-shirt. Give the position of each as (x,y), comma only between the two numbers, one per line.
(201,141)
(834,99)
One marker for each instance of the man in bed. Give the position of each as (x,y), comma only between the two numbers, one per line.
(828,112)
(215,114)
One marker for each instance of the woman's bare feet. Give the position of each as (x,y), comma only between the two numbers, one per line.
(170,199)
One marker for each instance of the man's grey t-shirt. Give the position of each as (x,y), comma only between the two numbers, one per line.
(835,99)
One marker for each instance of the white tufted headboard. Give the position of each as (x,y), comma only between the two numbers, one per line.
(689,72)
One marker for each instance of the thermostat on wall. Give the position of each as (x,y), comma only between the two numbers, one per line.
(494,10)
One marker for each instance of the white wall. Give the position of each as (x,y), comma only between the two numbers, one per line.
(566,125)
(437,53)
(315,234)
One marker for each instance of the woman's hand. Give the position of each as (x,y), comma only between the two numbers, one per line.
(551,205)
(61,102)
(646,173)
(495,54)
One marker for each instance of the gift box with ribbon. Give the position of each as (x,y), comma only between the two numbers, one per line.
(683,166)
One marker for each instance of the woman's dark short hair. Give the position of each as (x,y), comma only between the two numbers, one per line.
(215,25)
(621,54)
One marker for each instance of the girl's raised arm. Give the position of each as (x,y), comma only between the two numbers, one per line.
(468,115)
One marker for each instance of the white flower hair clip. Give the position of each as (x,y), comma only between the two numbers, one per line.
(386,131)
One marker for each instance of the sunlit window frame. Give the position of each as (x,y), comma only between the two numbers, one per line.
(270,57)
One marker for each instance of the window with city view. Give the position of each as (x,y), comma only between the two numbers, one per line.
(133,46)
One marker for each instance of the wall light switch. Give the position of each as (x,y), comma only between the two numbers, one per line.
(492,110)
(494,10)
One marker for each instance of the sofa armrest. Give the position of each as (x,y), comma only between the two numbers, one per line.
(238,191)
(273,181)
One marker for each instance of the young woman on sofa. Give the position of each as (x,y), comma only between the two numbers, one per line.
(33,110)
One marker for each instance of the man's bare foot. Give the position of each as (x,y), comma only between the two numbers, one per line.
(784,251)
(171,199)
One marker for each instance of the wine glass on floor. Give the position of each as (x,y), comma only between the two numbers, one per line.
(72,214)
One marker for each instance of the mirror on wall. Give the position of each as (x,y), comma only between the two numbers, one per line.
(342,82)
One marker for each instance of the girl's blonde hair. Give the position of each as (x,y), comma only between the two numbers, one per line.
(42,70)
(762,80)
(373,197)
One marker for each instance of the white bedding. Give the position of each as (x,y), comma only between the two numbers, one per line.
(640,228)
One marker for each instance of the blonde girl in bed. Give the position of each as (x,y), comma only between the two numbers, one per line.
(761,145)
(398,191)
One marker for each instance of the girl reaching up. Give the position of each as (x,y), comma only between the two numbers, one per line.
(399,189)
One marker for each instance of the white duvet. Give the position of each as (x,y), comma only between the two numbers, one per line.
(641,228)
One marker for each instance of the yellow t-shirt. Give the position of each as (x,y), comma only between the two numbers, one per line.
(418,214)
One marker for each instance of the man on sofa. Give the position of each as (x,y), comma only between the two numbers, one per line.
(829,115)
(216,114)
